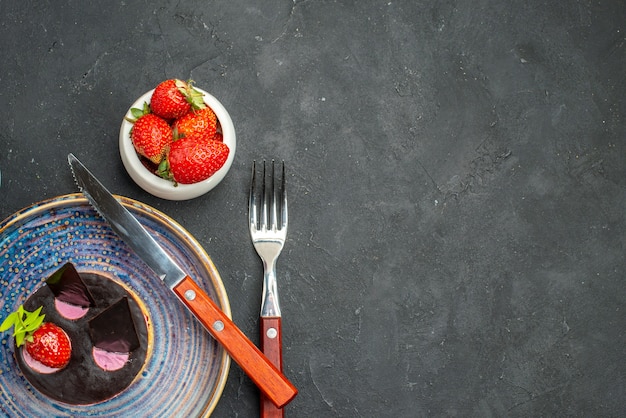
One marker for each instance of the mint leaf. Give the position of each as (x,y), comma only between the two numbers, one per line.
(32,317)
(19,339)
(32,327)
(24,323)
(8,322)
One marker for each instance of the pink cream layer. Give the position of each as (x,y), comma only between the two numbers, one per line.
(35,365)
(109,361)
(70,311)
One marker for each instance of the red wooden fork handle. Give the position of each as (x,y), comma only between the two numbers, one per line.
(272,347)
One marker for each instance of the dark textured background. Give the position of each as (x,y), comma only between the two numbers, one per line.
(457,182)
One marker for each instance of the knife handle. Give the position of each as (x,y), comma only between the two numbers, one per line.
(271,345)
(260,370)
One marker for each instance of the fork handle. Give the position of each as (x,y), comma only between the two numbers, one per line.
(271,345)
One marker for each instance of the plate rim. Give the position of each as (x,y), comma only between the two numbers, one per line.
(78,199)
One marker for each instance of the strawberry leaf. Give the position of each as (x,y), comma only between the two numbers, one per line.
(194,97)
(136,113)
(163,170)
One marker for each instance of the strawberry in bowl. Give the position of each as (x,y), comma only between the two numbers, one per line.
(177,141)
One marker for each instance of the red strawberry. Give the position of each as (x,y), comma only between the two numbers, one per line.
(45,341)
(173,98)
(151,136)
(190,160)
(50,346)
(199,123)
(219,136)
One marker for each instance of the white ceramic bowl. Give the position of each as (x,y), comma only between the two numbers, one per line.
(166,189)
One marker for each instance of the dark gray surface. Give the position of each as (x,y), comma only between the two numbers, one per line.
(457,183)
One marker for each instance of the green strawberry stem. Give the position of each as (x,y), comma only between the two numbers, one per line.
(164,172)
(24,323)
(137,113)
(193,96)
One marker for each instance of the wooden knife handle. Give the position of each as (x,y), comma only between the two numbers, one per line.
(271,345)
(261,371)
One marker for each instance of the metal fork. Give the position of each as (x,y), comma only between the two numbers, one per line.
(267,211)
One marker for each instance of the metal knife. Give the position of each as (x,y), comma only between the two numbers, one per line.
(254,363)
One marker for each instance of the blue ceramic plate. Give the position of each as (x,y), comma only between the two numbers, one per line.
(185,369)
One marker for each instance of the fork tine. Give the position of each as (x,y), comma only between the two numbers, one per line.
(252,204)
(274,210)
(264,197)
(267,204)
(283,215)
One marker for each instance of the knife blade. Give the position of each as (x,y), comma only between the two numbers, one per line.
(261,371)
